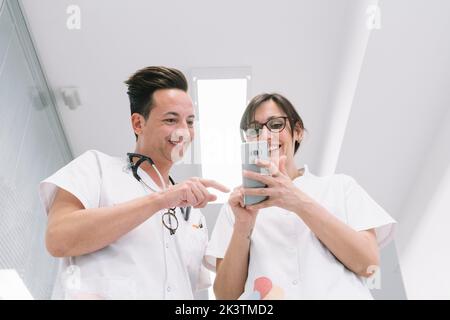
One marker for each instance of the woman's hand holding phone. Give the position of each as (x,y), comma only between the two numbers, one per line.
(244,217)
(281,191)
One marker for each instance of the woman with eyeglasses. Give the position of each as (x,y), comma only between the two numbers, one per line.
(312,238)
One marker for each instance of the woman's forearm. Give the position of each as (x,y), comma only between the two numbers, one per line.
(232,271)
(356,250)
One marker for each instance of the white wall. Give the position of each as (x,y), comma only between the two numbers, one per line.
(32,147)
(392,140)
(340,100)
(423,237)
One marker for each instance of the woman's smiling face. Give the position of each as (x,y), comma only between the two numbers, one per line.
(280,143)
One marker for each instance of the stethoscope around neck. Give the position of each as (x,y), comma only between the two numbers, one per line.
(134,168)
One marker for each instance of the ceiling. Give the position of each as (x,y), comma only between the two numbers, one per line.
(291,47)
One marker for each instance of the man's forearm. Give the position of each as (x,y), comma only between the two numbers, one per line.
(88,230)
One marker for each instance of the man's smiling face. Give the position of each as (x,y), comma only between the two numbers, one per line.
(169,128)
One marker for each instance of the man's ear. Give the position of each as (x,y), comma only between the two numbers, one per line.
(137,122)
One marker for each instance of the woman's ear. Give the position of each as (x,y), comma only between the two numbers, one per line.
(298,133)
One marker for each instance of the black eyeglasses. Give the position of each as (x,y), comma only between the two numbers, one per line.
(167,220)
(274,125)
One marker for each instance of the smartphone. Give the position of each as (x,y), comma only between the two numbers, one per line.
(250,152)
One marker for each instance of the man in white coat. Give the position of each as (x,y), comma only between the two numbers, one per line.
(123,228)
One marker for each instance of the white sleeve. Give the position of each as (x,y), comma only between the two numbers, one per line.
(81,177)
(204,280)
(220,237)
(364,213)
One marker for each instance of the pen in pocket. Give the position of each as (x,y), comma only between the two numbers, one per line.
(199,225)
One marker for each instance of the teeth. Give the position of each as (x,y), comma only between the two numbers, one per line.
(272,148)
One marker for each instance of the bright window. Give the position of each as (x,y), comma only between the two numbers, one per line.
(221,103)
